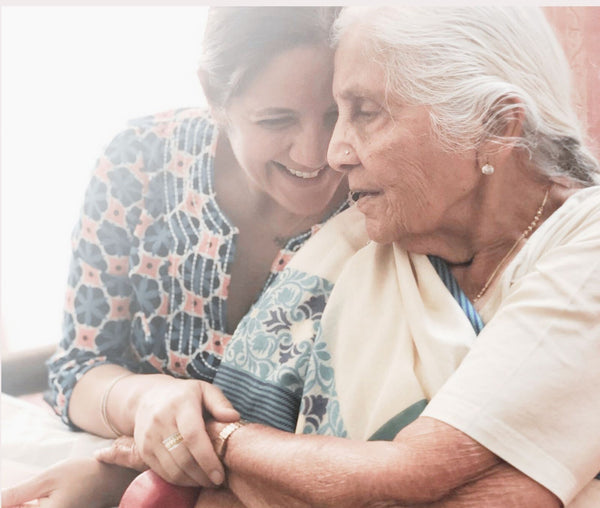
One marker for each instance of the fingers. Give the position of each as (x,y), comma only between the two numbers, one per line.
(218,405)
(186,462)
(161,461)
(202,456)
(123,452)
(179,406)
(23,492)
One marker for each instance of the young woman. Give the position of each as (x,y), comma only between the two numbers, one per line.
(188,217)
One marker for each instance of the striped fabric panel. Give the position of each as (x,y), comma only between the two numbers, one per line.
(450,282)
(259,401)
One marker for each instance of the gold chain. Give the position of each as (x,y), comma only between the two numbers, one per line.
(524,235)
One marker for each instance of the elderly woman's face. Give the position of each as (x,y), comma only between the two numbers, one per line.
(407,188)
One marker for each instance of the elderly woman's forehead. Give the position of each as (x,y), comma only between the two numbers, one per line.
(353,64)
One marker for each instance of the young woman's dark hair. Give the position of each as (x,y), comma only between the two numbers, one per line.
(240,41)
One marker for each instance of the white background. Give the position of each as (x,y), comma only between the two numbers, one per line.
(71,77)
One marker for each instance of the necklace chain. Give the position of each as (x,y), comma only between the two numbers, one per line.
(524,235)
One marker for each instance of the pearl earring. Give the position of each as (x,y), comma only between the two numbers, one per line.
(347,152)
(487,169)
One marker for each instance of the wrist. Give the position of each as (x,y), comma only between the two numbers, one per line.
(221,435)
(104,412)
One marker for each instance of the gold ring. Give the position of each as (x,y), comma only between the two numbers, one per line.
(172,441)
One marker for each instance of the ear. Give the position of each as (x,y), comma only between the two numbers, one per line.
(507,116)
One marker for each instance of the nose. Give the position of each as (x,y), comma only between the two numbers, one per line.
(340,154)
(309,147)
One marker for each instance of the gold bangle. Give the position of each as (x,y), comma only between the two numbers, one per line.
(104,404)
(225,434)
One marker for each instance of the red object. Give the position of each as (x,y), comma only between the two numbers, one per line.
(149,490)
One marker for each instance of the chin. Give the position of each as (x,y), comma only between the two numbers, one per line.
(379,233)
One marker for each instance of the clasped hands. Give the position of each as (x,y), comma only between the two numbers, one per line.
(170,435)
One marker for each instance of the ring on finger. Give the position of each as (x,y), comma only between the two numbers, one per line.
(172,441)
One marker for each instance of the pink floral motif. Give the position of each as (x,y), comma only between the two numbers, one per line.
(209,244)
(90,276)
(281,261)
(181,163)
(117,265)
(193,202)
(224,286)
(217,342)
(194,304)
(144,221)
(178,363)
(85,337)
(137,169)
(149,266)
(103,167)
(119,308)
(164,130)
(88,229)
(116,213)
(69,300)
(164,305)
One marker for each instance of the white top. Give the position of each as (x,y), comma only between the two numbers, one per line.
(529,389)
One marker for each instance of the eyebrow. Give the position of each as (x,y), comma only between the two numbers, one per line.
(270,111)
(355,93)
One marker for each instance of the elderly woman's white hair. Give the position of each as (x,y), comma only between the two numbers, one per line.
(476,67)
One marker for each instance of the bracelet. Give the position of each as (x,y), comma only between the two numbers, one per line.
(104,404)
(225,434)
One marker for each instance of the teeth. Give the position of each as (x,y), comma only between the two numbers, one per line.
(302,174)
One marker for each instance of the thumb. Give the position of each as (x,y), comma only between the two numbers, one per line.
(122,452)
(217,404)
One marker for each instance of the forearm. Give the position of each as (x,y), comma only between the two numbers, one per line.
(85,408)
(419,467)
(500,487)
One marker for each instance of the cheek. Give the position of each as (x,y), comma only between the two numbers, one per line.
(254,147)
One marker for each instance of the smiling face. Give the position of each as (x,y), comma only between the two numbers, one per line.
(279,129)
(408,189)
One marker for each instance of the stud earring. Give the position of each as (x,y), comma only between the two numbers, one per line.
(347,152)
(487,169)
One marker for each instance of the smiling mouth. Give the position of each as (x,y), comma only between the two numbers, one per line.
(301,174)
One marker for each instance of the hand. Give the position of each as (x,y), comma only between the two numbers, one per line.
(172,405)
(123,452)
(71,484)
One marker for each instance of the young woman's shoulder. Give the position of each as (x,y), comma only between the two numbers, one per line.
(165,121)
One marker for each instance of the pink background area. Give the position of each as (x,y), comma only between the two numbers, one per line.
(579,32)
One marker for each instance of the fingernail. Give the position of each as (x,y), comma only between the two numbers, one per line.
(216,477)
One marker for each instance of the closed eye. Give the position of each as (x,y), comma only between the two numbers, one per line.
(276,122)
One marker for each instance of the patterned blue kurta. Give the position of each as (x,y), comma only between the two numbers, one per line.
(152,256)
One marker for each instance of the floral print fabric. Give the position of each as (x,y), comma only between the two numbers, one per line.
(152,255)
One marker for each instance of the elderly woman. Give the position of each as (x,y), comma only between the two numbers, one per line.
(459,141)
(478,296)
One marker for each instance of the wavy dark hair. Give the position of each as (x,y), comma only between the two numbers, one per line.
(240,41)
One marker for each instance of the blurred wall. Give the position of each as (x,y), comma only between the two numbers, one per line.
(578,29)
